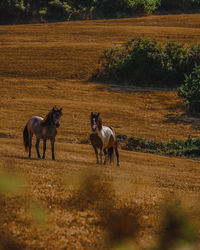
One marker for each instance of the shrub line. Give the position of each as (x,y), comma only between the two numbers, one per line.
(188,148)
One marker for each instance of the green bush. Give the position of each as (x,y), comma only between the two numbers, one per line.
(169,5)
(137,62)
(12,11)
(110,8)
(58,11)
(16,11)
(188,148)
(142,61)
(190,90)
(144,6)
(179,5)
(176,62)
(193,57)
(20,11)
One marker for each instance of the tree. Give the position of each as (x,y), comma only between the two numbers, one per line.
(11,11)
(190,90)
(33,7)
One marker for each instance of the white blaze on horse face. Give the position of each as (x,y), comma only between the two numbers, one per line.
(105,135)
(94,125)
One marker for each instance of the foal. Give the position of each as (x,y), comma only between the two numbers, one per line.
(104,138)
(43,129)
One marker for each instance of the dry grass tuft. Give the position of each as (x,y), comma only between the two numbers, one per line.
(121,224)
(94,192)
(177,229)
(8,243)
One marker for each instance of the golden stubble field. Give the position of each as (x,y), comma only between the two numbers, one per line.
(43,65)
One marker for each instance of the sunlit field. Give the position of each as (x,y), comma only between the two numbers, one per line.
(72,203)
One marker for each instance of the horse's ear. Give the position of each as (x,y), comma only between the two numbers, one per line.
(91,113)
(98,114)
(54,108)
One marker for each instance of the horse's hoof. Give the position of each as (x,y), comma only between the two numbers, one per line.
(118,165)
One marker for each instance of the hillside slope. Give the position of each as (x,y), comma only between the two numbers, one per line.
(71,49)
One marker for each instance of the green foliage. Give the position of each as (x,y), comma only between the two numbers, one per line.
(9,183)
(144,6)
(18,11)
(176,61)
(188,148)
(58,11)
(144,57)
(38,214)
(145,62)
(11,11)
(79,4)
(190,90)
(96,9)
(194,56)
(179,5)
(111,8)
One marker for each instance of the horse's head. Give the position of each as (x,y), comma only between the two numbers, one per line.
(56,114)
(95,121)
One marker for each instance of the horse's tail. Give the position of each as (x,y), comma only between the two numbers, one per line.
(26,138)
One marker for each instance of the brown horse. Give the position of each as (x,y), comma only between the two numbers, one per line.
(43,129)
(103,138)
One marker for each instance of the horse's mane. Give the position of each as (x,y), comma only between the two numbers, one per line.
(47,120)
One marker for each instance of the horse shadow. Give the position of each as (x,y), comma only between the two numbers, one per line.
(21,157)
(185,119)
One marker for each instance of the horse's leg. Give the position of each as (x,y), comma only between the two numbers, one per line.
(44,148)
(110,154)
(105,156)
(117,155)
(101,154)
(30,144)
(52,148)
(37,147)
(96,153)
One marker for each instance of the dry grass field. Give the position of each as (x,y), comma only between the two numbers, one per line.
(64,204)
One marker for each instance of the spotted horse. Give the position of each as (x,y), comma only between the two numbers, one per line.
(104,139)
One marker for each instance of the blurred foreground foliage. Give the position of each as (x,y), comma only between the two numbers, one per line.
(122,222)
